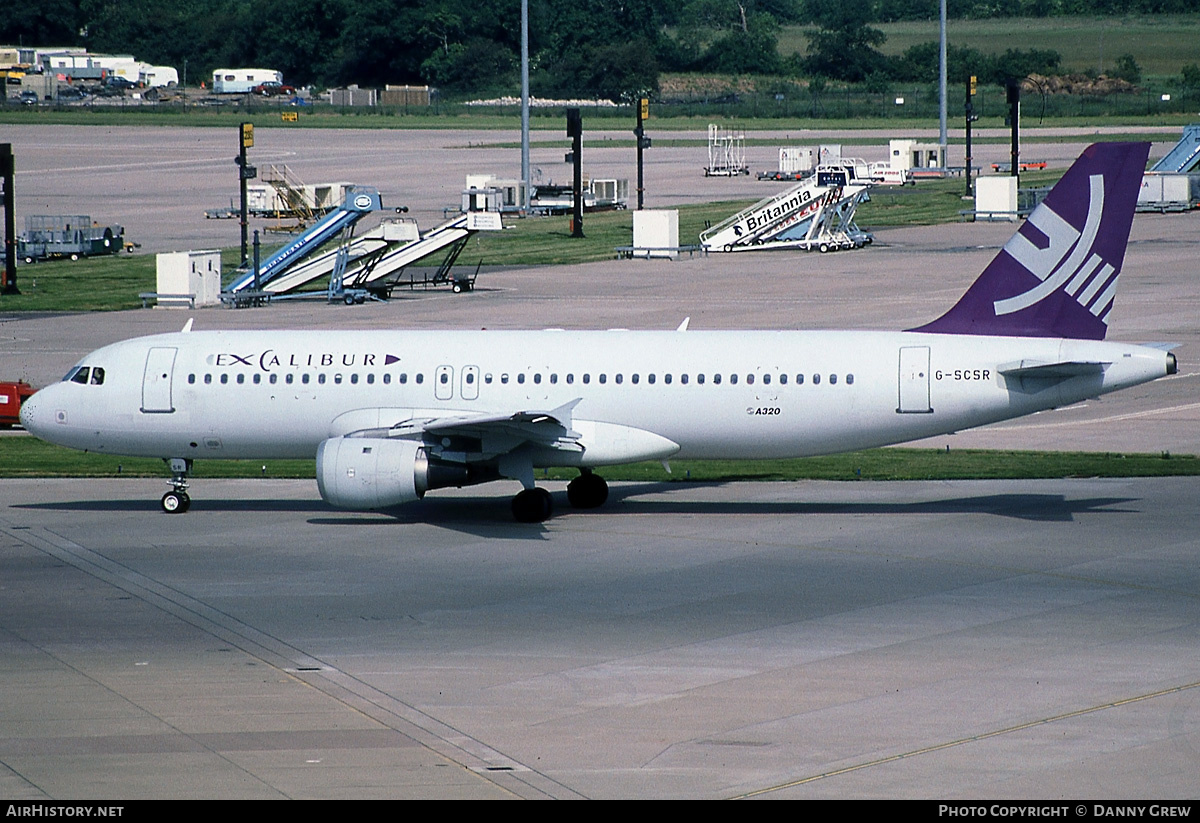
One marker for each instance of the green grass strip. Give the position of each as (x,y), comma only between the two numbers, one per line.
(27,457)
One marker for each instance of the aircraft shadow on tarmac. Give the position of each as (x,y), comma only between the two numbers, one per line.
(489,516)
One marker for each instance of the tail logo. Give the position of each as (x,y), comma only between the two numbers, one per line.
(1066,260)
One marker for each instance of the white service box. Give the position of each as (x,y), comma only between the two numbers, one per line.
(996,198)
(188,275)
(656,233)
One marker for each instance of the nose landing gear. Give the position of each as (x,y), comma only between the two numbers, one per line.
(177,500)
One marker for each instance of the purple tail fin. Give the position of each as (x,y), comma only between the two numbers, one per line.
(1056,277)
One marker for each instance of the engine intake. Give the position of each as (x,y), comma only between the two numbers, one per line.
(374,473)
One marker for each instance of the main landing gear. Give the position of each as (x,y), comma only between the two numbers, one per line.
(177,501)
(587,491)
(532,505)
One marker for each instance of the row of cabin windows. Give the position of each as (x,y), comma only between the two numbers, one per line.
(666,378)
(469,377)
(290,378)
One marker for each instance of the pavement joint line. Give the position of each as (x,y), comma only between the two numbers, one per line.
(1115,704)
(453,744)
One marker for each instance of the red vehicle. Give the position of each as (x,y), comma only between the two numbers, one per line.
(272,88)
(12,395)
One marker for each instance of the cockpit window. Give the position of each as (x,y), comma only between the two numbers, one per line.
(84,375)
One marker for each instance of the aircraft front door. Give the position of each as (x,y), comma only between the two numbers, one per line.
(914,380)
(156,381)
(443,382)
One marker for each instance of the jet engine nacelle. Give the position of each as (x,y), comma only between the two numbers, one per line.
(371,473)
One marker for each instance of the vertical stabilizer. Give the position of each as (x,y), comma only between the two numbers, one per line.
(1057,276)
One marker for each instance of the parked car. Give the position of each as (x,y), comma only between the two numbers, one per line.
(29,98)
(70,93)
(116,81)
(272,88)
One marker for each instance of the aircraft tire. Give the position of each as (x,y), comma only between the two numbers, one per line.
(532,506)
(588,491)
(175,502)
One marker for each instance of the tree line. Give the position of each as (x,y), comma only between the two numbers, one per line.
(606,48)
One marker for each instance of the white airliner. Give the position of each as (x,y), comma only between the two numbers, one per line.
(390,415)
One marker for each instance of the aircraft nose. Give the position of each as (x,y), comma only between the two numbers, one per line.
(30,413)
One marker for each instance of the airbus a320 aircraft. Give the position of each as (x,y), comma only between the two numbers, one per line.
(391,415)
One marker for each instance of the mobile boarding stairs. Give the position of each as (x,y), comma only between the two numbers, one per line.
(815,214)
(358,266)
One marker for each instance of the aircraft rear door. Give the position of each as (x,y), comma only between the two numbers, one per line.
(914,380)
(156,381)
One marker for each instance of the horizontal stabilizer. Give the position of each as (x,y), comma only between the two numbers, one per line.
(1062,370)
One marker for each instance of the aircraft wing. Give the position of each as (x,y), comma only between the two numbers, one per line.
(485,437)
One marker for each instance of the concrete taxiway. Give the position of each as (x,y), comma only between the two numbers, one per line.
(792,640)
(956,640)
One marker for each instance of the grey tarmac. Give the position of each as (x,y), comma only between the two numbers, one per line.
(794,640)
